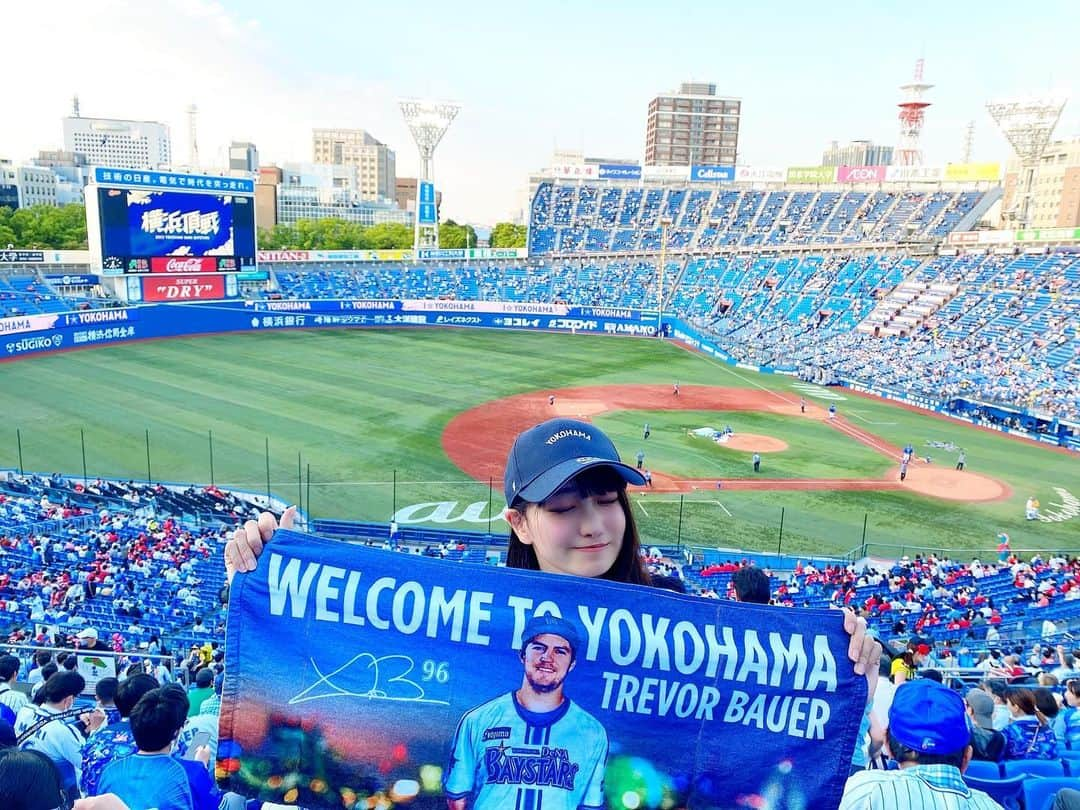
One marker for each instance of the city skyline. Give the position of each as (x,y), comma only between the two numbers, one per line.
(561,77)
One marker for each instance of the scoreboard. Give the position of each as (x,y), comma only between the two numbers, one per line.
(168,236)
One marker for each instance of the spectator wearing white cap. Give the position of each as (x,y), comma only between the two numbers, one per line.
(88,640)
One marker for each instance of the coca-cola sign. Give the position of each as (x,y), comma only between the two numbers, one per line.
(183,288)
(183,264)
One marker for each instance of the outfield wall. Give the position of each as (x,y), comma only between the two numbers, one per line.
(32,335)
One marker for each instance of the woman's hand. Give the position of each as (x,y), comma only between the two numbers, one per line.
(863,649)
(243,550)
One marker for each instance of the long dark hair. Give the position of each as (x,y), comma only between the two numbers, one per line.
(29,780)
(1025,700)
(628,565)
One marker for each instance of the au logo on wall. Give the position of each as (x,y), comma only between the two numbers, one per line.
(358,677)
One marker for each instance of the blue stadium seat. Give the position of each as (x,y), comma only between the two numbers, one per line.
(984,770)
(1039,793)
(1006,792)
(1033,767)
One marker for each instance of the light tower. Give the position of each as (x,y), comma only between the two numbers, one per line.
(912,112)
(428,121)
(969,142)
(1027,125)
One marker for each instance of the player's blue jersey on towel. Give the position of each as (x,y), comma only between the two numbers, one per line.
(508,758)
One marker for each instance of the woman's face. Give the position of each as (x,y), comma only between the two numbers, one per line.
(572,534)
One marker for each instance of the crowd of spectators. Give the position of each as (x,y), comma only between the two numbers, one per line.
(565,218)
(1007,336)
(153,729)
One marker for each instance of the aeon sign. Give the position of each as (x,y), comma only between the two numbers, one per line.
(861,174)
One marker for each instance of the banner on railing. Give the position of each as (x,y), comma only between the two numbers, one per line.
(362,677)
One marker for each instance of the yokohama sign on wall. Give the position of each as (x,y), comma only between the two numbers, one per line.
(183,288)
(183,264)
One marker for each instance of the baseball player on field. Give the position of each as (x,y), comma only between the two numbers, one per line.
(532,747)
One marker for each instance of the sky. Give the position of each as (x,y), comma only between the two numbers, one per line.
(531,77)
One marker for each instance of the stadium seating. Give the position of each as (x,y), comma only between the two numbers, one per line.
(128,560)
(1006,332)
(1006,792)
(1039,793)
(710,218)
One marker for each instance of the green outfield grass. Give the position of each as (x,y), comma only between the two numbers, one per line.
(814,449)
(364,407)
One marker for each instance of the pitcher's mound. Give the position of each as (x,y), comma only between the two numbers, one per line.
(955,485)
(579,408)
(754,443)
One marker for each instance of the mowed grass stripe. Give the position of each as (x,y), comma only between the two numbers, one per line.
(358,405)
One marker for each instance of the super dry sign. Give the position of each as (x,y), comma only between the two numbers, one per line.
(183,288)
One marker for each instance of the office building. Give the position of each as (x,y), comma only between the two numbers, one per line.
(1055,201)
(266,196)
(23,186)
(857,153)
(321,191)
(119,143)
(243,157)
(9,192)
(375,162)
(72,174)
(692,125)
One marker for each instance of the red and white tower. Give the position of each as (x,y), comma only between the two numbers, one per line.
(912,112)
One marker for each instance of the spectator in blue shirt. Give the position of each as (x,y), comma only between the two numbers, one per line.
(151,777)
(115,740)
(1067,723)
(1029,735)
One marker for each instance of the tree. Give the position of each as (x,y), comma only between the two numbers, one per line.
(44,226)
(452,235)
(336,234)
(390,236)
(508,235)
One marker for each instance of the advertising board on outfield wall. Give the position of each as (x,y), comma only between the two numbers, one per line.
(973,172)
(665,172)
(1048,235)
(44,256)
(914,174)
(811,174)
(971,238)
(620,171)
(759,174)
(426,254)
(575,171)
(860,174)
(712,174)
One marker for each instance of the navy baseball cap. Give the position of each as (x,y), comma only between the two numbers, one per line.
(538,625)
(929,718)
(545,457)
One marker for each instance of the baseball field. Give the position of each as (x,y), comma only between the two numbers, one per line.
(415,424)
